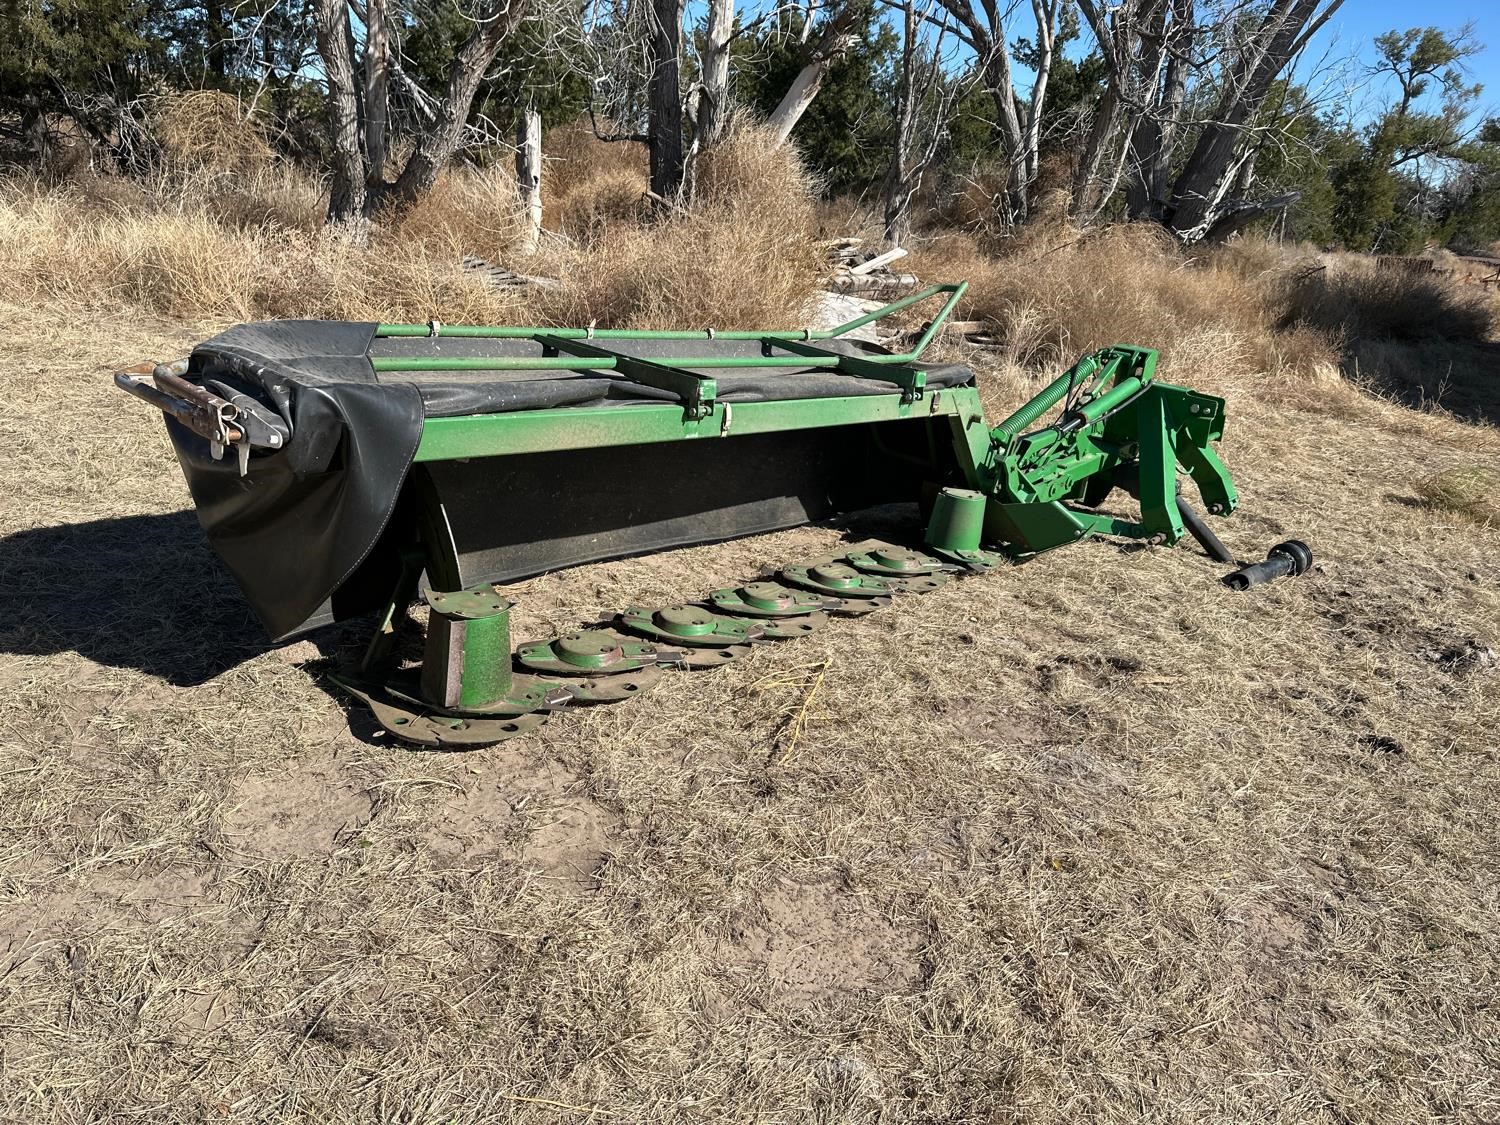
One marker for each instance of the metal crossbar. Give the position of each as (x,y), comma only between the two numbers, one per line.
(592,357)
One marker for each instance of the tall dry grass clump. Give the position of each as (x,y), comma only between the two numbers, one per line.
(1352,298)
(1470,491)
(744,256)
(208,130)
(249,244)
(1057,291)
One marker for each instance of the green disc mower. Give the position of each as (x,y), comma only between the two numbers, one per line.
(344,469)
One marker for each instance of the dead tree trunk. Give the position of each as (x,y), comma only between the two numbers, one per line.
(377,75)
(664,98)
(438,144)
(529,177)
(980,25)
(347,196)
(924,106)
(833,42)
(713,97)
(1199,193)
(1154,136)
(1118,31)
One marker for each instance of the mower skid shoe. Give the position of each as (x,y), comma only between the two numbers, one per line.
(441,732)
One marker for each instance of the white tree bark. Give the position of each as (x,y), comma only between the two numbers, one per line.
(529,177)
(713,98)
(833,42)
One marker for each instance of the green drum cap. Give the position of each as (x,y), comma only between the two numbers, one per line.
(589,649)
(837,578)
(897,562)
(686,621)
(586,651)
(689,624)
(836,574)
(766,599)
(475,603)
(768,595)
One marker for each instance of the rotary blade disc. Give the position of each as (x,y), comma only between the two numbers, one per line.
(919,583)
(689,625)
(612,688)
(978,561)
(765,599)
(587,652)
(789,628)
(527,694)
(857,607)
(697,659)
(893,562)
(441,732)
(836,579)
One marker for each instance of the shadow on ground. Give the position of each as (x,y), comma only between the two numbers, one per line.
(140,592)
(1461,377)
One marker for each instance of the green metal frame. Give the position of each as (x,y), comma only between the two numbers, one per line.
(583,349)
(1116,418)
(1029,484)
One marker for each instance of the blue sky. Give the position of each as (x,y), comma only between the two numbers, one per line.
(1354,26)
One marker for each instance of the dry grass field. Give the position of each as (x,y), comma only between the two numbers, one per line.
(1090,839)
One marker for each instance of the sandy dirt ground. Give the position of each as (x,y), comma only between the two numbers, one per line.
(1091,839)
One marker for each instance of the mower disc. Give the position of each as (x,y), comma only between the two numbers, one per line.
(588,652)
(766,599)
(837,579)
(689,625)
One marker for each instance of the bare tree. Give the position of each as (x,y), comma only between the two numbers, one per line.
(1159,53)
(925,99)
(1159,116)
(713,94)
(1200,206)
(529,176)
(377,100)
(982,27)
(1118,33)
(836,35)
(348,195)
(664,98)
(357,192)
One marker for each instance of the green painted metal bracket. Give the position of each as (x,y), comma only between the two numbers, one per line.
(909,379)
(697,392)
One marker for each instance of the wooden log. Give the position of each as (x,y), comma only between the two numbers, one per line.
(879,260)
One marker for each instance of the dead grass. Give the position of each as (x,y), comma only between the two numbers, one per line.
(1471,491)
(1087,839)
(1356,301)
(244,245)
(1056,292)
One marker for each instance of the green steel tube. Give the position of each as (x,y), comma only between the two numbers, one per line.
(487,332)
(492,363)
(475,331)
(1121,393)
(956,292)
(582,363)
